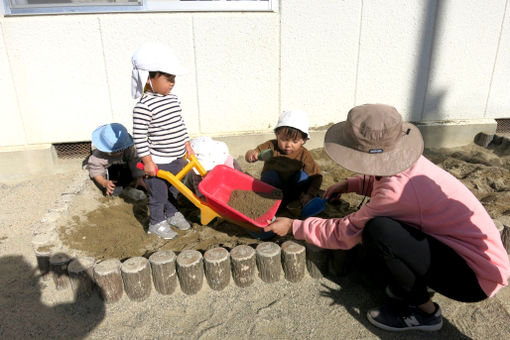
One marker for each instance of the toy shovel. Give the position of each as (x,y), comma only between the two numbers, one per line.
(265,155)
(314,207)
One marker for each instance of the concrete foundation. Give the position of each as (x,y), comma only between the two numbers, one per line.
(449,134)
(23,162)
(19,163)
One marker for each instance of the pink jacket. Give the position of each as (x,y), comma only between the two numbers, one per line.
(432,200)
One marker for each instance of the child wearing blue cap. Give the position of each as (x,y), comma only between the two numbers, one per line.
(112,164)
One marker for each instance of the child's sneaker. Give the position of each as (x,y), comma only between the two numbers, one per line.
(133,194)
(179,221)
(162,229)
(409,318)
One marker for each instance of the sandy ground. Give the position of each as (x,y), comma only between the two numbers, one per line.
(330,307)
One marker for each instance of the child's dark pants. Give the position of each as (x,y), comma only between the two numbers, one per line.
(415,261)
(292,188)
(159,205)
(121,174)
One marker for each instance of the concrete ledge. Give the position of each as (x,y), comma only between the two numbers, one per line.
(23,162)
(454,133)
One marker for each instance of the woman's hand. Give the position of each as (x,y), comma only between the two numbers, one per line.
(336,189)
(281,226)
(251,156)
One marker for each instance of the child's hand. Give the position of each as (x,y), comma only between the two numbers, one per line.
(140,183)
(189,149)
(150,168)
(110,187)
(305,198)
(281,226)
(336,189)
(251,156)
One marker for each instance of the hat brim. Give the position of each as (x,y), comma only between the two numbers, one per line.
(405,153)
(98,142)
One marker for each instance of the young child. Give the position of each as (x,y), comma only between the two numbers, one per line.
(159,132)
(112,164)
(291,167)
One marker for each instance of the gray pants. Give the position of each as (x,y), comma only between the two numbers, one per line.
(160,206)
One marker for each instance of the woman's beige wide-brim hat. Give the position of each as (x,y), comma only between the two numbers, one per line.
(374,141)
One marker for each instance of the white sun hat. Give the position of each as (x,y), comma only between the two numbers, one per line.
(295,119)
(152,57)
(209,152)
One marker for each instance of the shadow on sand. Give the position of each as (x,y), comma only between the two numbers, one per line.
(361,288)
(24,316)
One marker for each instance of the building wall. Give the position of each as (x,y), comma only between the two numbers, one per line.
(63,75)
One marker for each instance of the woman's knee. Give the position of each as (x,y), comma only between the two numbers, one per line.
(376,228)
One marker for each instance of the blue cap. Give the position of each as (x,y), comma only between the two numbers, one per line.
(111,138)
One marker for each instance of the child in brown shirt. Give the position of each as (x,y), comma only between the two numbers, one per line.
(291,167)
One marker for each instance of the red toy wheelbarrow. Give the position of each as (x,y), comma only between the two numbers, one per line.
(217,186)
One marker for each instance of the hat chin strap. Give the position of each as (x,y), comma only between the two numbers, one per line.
(138,80)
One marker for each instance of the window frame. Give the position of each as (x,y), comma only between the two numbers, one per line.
(146,6)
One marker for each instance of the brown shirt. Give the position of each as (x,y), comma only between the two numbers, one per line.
(288,165)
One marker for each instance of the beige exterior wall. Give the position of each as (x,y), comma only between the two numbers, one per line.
(63,75)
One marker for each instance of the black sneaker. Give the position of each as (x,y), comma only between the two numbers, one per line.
(409,318)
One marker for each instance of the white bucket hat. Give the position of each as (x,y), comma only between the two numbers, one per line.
(152,57)
(296,119)
(209,152)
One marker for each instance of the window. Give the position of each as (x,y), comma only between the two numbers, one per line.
(31,7)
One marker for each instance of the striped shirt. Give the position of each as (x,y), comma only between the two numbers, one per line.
(158,128)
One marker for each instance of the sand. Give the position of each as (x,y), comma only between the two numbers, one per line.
(332,307)
(105,227)
(253,204)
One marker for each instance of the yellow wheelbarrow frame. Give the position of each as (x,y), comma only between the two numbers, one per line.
(207,214)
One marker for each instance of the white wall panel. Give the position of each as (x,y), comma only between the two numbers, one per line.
(59,74)
(463,59)
(319,49)
(122,35)
(390,51)
(498,105)
(237,71)
(11,127)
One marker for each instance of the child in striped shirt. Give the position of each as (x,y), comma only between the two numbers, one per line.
(160,135)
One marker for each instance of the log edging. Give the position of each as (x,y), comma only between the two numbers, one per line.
(136,276)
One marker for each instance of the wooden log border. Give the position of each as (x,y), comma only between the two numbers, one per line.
(136,277)
(69,272)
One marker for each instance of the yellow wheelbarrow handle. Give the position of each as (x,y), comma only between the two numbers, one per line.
(206,213)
